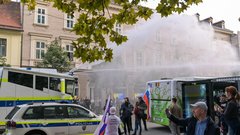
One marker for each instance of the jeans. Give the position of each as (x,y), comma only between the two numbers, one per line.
(138,124)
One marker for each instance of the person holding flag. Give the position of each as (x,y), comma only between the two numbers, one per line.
(103,124)
(142,107)
(147,100)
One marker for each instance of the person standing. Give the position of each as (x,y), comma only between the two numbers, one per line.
(137,119)
(113,122)
(177,112)
(223,104)
(199,123)
(142,108)
(230,114)
(125,115)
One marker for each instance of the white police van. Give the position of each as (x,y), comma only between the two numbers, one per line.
(51,119)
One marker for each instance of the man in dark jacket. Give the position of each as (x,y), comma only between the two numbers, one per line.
(142,107)
(125,115)
(199,123)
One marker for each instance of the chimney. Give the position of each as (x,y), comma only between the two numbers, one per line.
(198,16)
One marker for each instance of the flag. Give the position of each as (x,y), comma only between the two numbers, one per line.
(147,100)
(102,125)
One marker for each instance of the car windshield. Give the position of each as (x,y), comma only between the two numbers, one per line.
(11,114)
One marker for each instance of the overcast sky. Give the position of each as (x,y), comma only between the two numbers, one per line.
(227,10)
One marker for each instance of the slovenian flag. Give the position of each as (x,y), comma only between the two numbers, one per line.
(147,100)
(102,126)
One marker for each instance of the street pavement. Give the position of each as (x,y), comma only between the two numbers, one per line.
(155,129)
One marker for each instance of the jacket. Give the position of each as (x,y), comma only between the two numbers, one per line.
(190,123)
(126,110)
(231,115)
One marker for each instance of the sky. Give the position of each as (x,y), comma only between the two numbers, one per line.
(227,10)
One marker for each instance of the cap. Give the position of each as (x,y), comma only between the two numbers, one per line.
(112,110)
(200,104)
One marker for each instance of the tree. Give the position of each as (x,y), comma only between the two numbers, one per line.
(3,62)
(55,57)
(95,23)
(4,1)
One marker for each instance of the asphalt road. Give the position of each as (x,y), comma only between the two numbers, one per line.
(154,129)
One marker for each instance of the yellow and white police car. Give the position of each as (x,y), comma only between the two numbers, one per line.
(51,119)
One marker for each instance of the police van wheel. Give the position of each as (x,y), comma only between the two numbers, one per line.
(35,133)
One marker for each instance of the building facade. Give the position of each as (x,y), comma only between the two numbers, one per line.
(10,33)
(42,26)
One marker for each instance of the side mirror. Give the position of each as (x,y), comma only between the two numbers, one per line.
(92,115)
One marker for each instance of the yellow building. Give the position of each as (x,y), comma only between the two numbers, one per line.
(10,33)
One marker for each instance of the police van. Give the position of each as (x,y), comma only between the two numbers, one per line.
(51,119)
(21,86)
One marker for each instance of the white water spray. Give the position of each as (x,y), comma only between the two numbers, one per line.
(176,46)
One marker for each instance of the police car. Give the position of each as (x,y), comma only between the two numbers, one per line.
(51,119)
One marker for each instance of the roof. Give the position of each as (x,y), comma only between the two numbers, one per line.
(209,20)
(42,72)
(10,16)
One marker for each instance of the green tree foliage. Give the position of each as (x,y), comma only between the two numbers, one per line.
(4,1)
(55,57)
(3,62)
(95,25)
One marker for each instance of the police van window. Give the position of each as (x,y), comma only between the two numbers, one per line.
(77,112)
(13,111)
(69,86)
(55,83)
(33,113)
(21,79)
(41,82)
(53,112)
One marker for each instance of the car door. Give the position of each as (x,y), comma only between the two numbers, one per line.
(81,121)
(55,122)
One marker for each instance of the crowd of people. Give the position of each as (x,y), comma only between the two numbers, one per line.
(126,112)
(227,109)
(201,124)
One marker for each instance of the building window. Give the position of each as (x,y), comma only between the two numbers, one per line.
(3,46)
(118,28)
(139,58)
(69,50)
(40,50)
(158,59)
(70,21)
(41,16)
(158,37)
